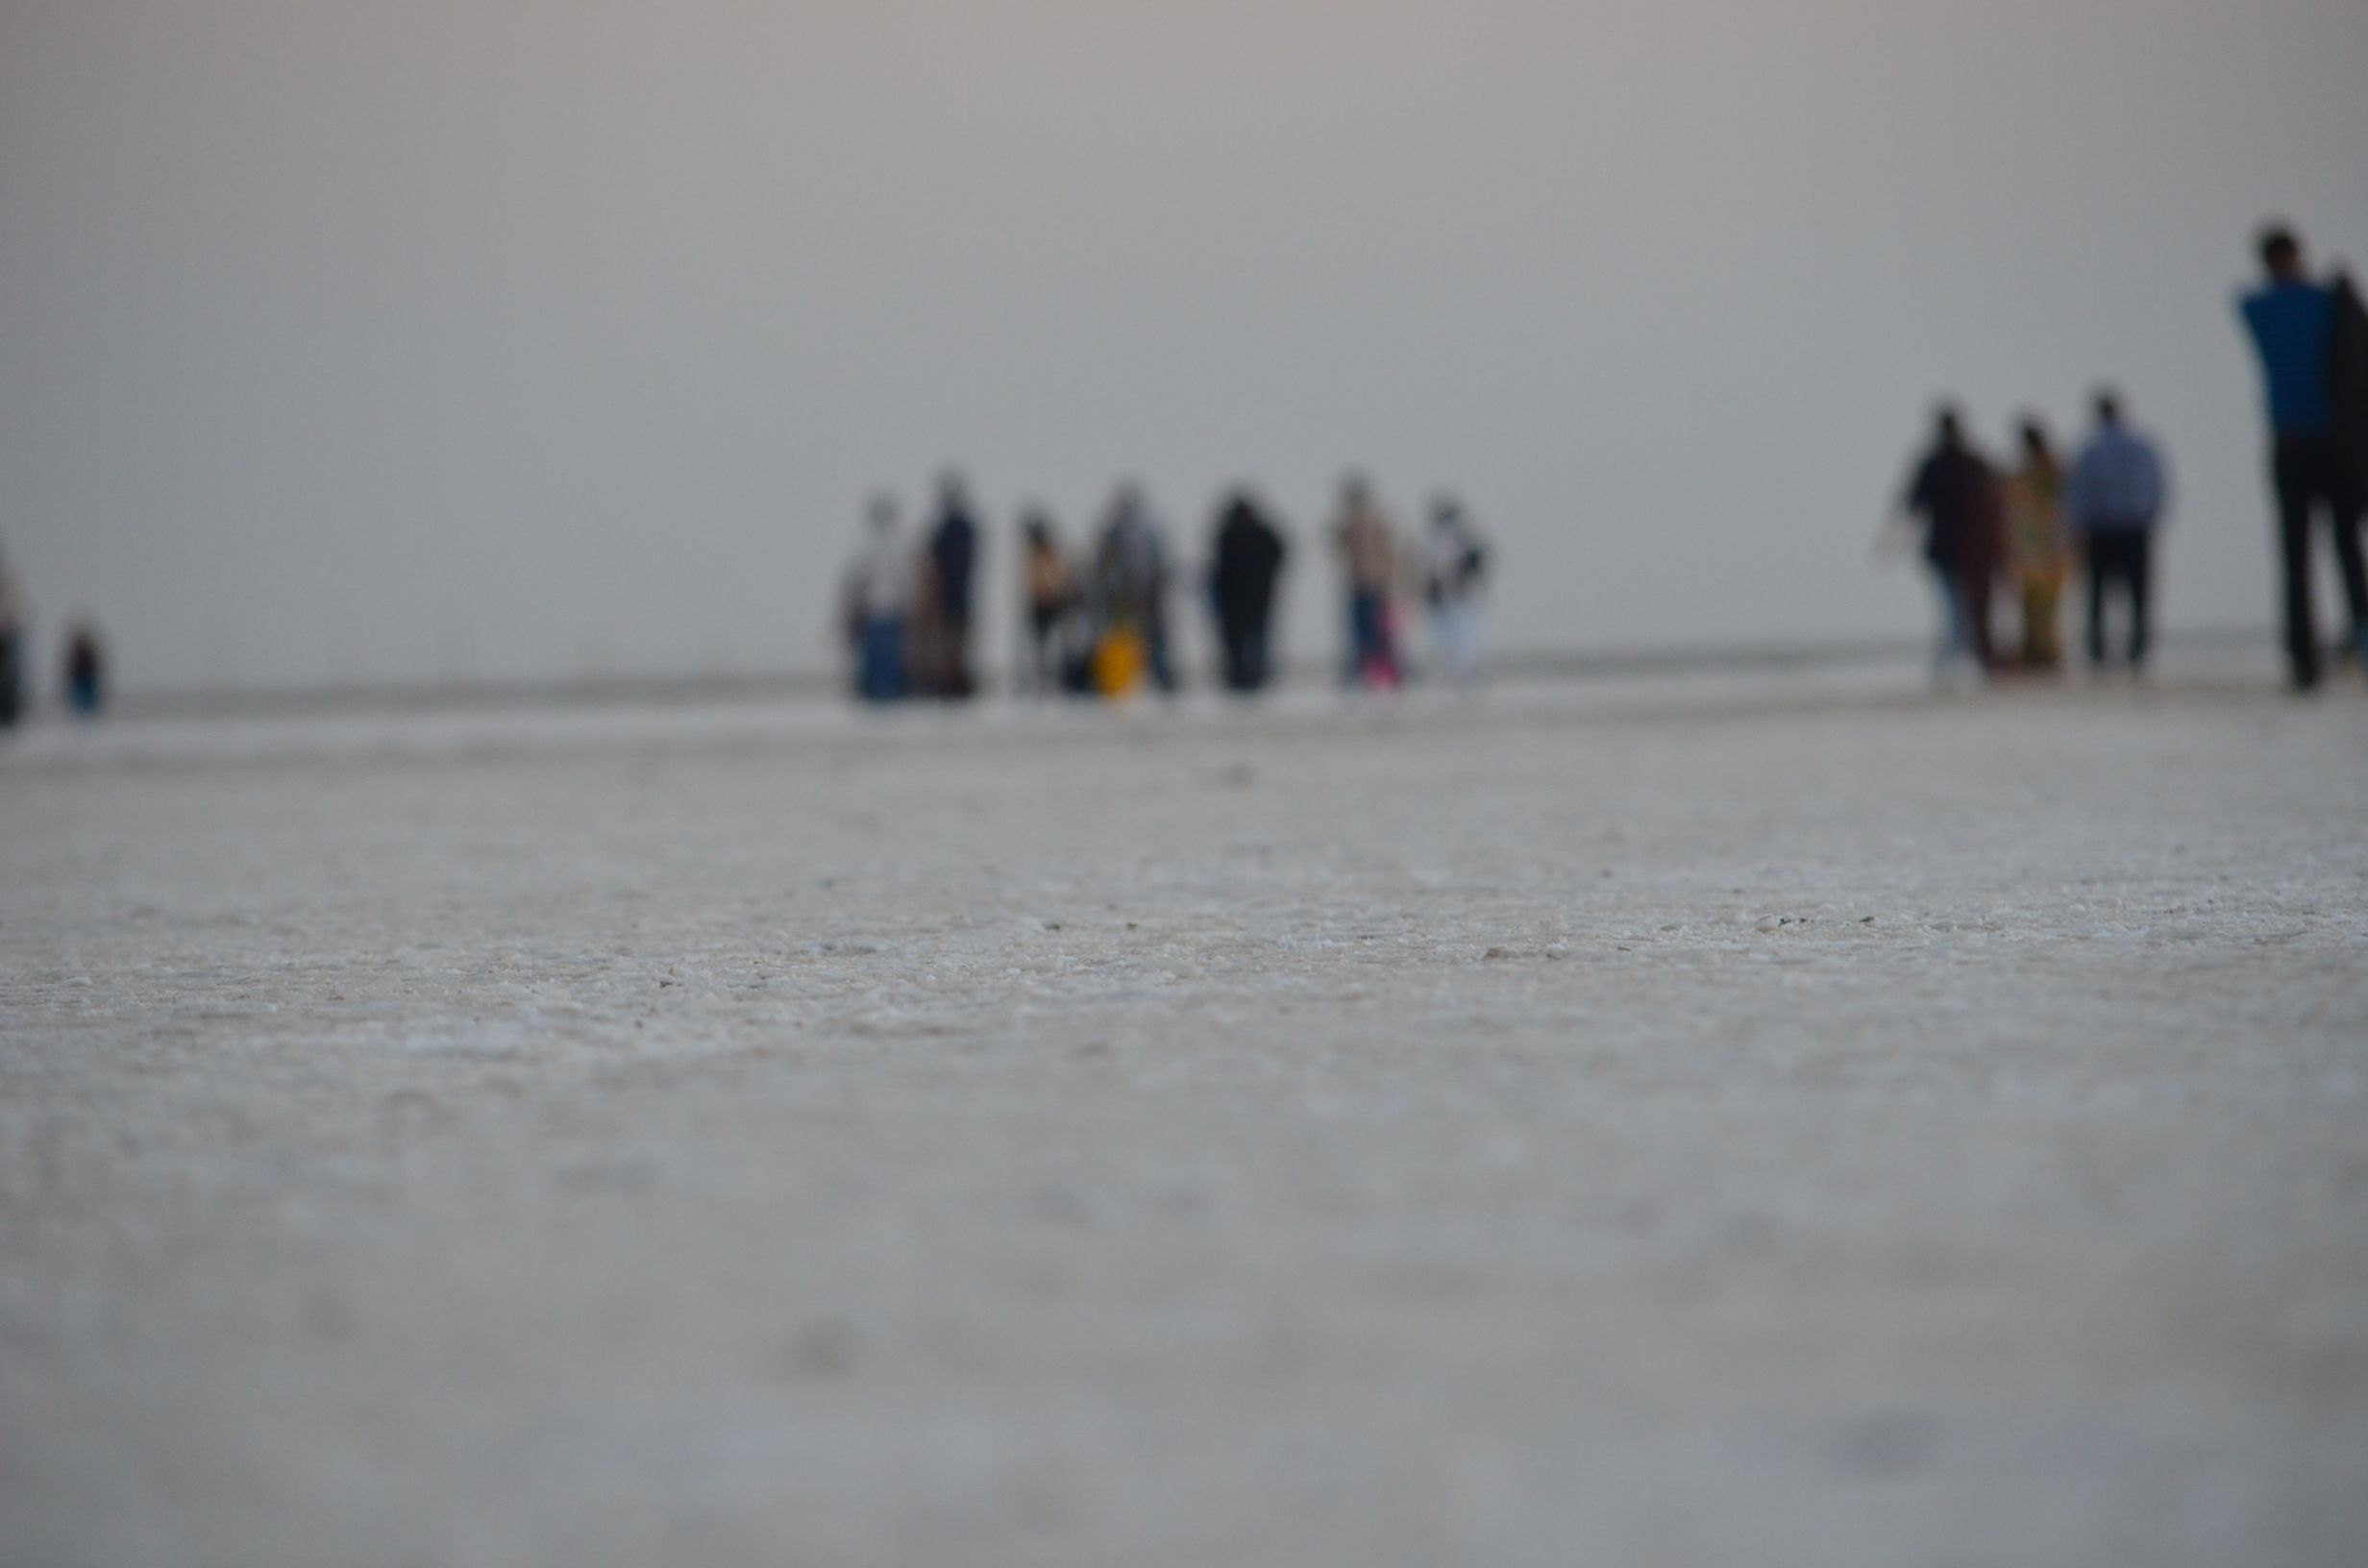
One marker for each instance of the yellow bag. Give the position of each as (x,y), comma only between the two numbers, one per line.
(1117,662)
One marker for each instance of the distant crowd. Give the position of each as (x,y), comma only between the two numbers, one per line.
(81,662)
(1099,615)
(1099,618)
(2034,522)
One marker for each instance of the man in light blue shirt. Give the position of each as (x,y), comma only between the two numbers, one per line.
(2292,322)
(2114,501)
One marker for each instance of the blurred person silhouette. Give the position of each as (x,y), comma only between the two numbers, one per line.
(953,558)
(1955,491)
(1369,565)
(876,602)
(1051,602)
(1131,573)
(2039,551)
(11,648)
(2310,341)
(85,669)
(1246,561)
(2114,500)
(1455,560)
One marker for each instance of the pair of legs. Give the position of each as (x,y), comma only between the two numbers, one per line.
(1045,620)
(1245,654)
(2041,650)
(1455,640)
(879,655)
(1371,658)
(2308,472)
(11,679)
(956,682)
(1965,614)
(1155,650)
(2122,559)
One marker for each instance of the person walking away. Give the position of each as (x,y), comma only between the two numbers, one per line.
(86,670)
(1453,566)
(1131,565)
(2036,548)
(2115,501)
(2348,394)
(1368,562)
(1956,493)
(876,602)
(953,556)
(2298,328)
(1050,591)
(12,650)
(1246,562)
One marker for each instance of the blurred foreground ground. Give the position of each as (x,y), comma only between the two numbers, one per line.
(1781,1124)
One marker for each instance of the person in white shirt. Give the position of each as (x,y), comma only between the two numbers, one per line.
(875,597)
(1453,562)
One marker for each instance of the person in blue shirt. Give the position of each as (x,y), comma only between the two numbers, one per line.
(2292,321)
(2114,500)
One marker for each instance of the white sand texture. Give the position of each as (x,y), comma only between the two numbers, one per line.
(1828,1129)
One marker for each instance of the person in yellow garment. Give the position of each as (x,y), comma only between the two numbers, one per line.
(2037,554)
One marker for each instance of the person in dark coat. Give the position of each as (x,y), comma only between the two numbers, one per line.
(12,651)
(953,559)
(1956,492)
(1246,560)
(2347,383)
(86,671)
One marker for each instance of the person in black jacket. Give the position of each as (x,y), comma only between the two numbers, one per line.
(953,558)
(1956,492)
(1247,559)
(2346,383)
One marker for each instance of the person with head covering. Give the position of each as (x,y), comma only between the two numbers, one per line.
(2038,551)
(1246,562)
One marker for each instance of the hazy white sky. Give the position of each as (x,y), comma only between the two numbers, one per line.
(499,338)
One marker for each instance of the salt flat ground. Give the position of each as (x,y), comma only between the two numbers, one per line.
(1790,1125)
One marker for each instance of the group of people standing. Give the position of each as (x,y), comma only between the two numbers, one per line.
(2033,524)
(2030,526)
(905,609)
(1097,620)
(1444,570)
(82,668)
